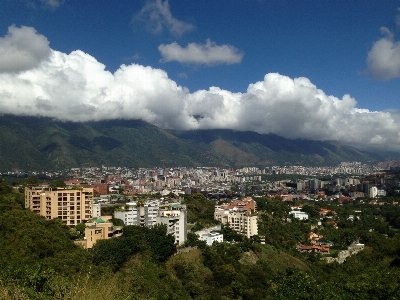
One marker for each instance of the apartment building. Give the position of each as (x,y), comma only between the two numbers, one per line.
(152,212)
(239,220)
(139,214)
(240,215)
(72,205)
(174,216)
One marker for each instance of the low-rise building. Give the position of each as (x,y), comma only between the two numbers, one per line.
(297,214)
(212,237)
(324,249)
(99,228)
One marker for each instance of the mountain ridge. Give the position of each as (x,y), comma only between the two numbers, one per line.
(42,143)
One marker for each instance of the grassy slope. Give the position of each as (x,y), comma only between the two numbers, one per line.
(277,261)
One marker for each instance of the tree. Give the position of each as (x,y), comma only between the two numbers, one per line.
(32,180)
(311,211)
(57,183)
(117,222)
(78,232)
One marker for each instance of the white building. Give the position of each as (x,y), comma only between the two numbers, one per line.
(139,215)
(150,213)
(301,215)
(96,210)
(212,237)
(175,217)
(373,191)
(381,193)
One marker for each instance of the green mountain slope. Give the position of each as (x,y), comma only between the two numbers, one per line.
(37,143)
(251,148)
(42,143)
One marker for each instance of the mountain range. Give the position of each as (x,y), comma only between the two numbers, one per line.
(40,143)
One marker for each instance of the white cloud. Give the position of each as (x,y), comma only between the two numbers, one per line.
(157,16)
(77,87)
(384,58)
(22,49)
(183,75)
(52,3)
(208,54)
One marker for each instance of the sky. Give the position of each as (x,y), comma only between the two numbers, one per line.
(320,70)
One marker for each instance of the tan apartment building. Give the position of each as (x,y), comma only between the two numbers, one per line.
(239,220)
(72,205)
(240,215)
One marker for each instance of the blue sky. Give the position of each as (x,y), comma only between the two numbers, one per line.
(333,67)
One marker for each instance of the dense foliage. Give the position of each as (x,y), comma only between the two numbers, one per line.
(115,252)
(200,211)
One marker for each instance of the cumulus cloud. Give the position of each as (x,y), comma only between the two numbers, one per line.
(208,54)
(384,58)
(157,16)
(22,49)
(77,87)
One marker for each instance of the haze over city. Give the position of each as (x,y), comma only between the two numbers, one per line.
(313,70)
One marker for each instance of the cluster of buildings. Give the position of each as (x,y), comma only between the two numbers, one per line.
(152,212)
(80,201)
(343,168)
(184,180)
(337,189)
(75,205)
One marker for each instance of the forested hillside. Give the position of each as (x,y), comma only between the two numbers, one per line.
(40,261)
(39,143)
